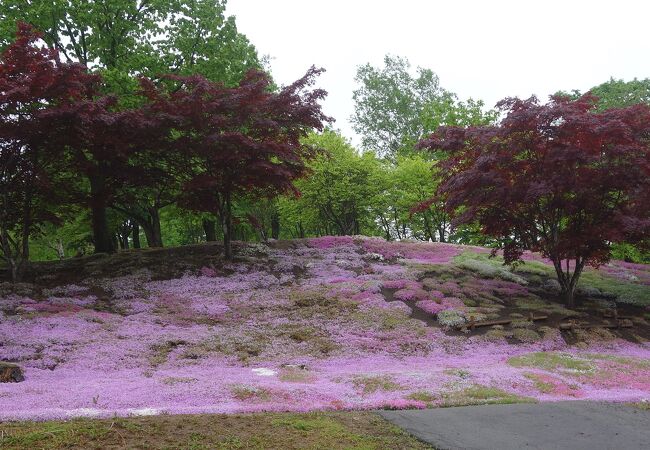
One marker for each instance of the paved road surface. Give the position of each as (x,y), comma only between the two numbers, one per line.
(564,425)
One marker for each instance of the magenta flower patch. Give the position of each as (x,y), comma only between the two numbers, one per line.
(322,325)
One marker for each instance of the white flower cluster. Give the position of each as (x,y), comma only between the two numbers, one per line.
(451,318)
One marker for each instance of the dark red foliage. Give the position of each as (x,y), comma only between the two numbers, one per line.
(241,140)
(201,139)
(34,84)
(56,118)
(557,178)
(110,148)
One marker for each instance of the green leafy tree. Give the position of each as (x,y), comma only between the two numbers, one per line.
(389,102)
(394,108)
(138,37)
(412,188)
(405,184)
(336,197)
(447,110)
(71,238)
(619,93)
(616,93)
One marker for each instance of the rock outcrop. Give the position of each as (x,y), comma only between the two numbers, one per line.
(10,373)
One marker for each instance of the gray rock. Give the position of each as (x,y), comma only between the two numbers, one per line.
(588,291)
(10,373)
(551,285)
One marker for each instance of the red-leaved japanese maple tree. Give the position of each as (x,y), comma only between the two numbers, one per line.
(102,144)
(34,83)
(244,140)
(557,178)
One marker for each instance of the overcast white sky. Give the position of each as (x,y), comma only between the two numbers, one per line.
(479,48)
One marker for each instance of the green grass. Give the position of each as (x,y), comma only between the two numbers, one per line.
(334,430)
(374,383)
(623,360)
(551,361)
(460,373)
(321,424)
(636,294)
(536,304)
(526,335)
(177,380)
(296,375)
(422,396)
(644,406)
(250,393)
(487,267)
(536,268)
(60,434)
(540,385)
(483,395)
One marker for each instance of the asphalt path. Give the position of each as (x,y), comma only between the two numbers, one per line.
(574,425)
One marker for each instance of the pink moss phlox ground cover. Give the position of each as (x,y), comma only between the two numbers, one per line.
(497,287)
(622,270)
(432,307)
(401,284)
(411,294)
(299,329)
(420,252)
(435,306)
(555,387)
(328,242)
(628,271)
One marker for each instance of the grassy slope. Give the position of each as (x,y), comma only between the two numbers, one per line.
(633,292)
(350,430)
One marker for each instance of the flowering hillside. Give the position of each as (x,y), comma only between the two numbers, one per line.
(327,323)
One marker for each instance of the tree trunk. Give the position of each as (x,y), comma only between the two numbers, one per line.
(148,234)
(428,232)
(153,240)
(226,225)
(568,296)
(275,226)
(386,226)
(151,228)
(58,248)
(15,274)
(156,234)
(11,256)
(210,229)
(124,237)
(136,235)
(27,223)
(568,281)
(260,230)
(101,235)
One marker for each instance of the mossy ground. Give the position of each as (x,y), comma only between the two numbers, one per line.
(551,361)
(482,395)
(344,430)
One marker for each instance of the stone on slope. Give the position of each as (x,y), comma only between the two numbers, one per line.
(10,373)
